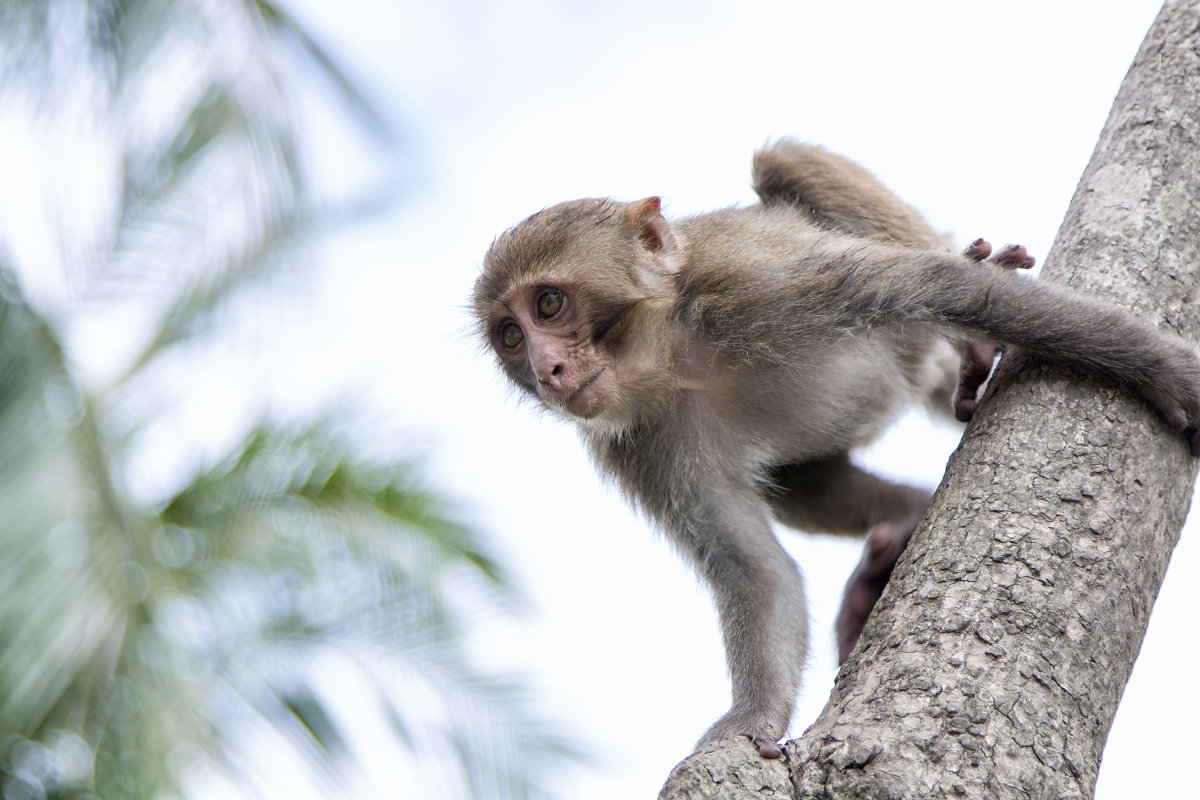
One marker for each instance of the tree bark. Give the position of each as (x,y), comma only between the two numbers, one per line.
(993,665)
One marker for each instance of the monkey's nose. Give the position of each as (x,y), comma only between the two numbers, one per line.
(546,368)
(552,378)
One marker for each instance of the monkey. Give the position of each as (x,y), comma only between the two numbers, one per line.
(722,367)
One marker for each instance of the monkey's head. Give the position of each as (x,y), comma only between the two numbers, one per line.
(575,301)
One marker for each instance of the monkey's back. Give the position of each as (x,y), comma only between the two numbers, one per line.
(791,288)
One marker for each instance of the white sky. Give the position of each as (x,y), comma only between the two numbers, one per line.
(983,115)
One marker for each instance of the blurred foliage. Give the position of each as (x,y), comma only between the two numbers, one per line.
(145,644)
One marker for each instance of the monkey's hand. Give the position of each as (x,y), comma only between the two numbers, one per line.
(885,543)
(1172,386)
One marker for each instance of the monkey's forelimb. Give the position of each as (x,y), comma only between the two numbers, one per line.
(820,284)
(717,519)
(1047,321)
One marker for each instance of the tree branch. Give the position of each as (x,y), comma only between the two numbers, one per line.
(993,665)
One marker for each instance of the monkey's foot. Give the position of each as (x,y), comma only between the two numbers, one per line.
(767,749)
(756,727)
(976,367)
(885,543)
(1011,256)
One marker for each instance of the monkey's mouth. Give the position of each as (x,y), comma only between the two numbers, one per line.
(587,400)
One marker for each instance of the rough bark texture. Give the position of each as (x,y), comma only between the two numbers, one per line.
(993,665)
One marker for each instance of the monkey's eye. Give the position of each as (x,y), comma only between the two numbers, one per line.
(512,335)
(549,302)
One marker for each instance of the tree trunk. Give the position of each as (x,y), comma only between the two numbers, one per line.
(993,665)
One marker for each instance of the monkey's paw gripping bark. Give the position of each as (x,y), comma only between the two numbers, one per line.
(1173,388)
(766,748)
(885,543)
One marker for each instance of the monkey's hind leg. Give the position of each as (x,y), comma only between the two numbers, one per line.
(832,495)
(885,542)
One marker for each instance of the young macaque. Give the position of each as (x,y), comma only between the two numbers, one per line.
(722,367)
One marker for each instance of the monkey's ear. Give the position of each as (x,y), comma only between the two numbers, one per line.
(658,247)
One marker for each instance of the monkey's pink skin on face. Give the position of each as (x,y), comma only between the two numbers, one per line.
(591,397)
(722,367)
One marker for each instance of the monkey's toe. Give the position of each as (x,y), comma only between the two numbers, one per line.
(766,748)
(1014,256)
(978,250)
(964,408)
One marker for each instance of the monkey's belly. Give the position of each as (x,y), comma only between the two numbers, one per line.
(853,388)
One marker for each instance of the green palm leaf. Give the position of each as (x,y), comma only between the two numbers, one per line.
(139,643)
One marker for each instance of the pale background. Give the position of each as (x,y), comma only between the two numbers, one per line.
(982,115)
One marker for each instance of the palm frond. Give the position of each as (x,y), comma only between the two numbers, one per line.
(137,642)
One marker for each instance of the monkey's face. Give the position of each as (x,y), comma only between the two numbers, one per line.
(575,302)
(546,346)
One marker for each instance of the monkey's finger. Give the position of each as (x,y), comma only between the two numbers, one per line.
(978,250)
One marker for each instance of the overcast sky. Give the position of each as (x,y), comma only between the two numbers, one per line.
(982,115)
